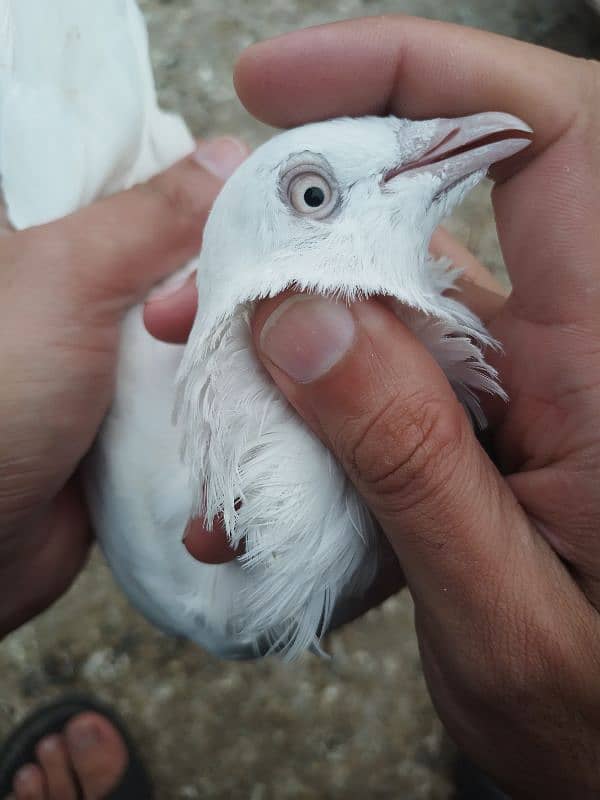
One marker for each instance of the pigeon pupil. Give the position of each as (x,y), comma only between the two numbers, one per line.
(314,196)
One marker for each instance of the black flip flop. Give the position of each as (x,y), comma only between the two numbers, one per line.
(19,748)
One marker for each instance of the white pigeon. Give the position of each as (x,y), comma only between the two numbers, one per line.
(347,208)
(344,207)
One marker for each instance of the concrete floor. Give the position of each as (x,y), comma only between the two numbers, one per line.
(360,725)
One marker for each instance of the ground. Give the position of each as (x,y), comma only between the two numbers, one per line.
(359,725)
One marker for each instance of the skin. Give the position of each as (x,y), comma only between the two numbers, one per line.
(89,748)
(502,559)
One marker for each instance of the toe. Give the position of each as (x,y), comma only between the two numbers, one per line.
(97,752)
(29,783)
(52,757)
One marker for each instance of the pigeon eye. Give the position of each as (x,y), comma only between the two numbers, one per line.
(311,194)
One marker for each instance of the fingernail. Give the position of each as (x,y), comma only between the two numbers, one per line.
(307,335)
(221,156)
(169,289)
(83,735)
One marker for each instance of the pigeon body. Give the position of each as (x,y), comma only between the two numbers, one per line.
(343,207)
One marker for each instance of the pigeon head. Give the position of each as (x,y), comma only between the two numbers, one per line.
(346,205)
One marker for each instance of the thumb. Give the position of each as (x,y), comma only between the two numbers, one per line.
(380,402)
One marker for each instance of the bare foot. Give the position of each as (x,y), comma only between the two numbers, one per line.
(90,753)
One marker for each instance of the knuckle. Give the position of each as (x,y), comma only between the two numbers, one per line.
(175,197)
(406,450)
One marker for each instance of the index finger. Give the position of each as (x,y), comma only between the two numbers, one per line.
(406,66)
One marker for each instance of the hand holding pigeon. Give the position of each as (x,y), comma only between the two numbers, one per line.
(504,571)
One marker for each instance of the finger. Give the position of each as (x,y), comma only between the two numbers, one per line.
(169,315)
(408,66)
(379,401)
(111,253)
(418,68)
(209,546)
(476,287)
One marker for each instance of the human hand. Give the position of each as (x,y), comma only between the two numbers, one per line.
(64,288)
(503,562)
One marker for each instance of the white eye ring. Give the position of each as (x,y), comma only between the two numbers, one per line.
(310,191)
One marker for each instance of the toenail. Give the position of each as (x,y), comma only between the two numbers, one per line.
(49,745)
(84,735)
(26,777)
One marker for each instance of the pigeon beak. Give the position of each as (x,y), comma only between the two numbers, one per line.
(467,145)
